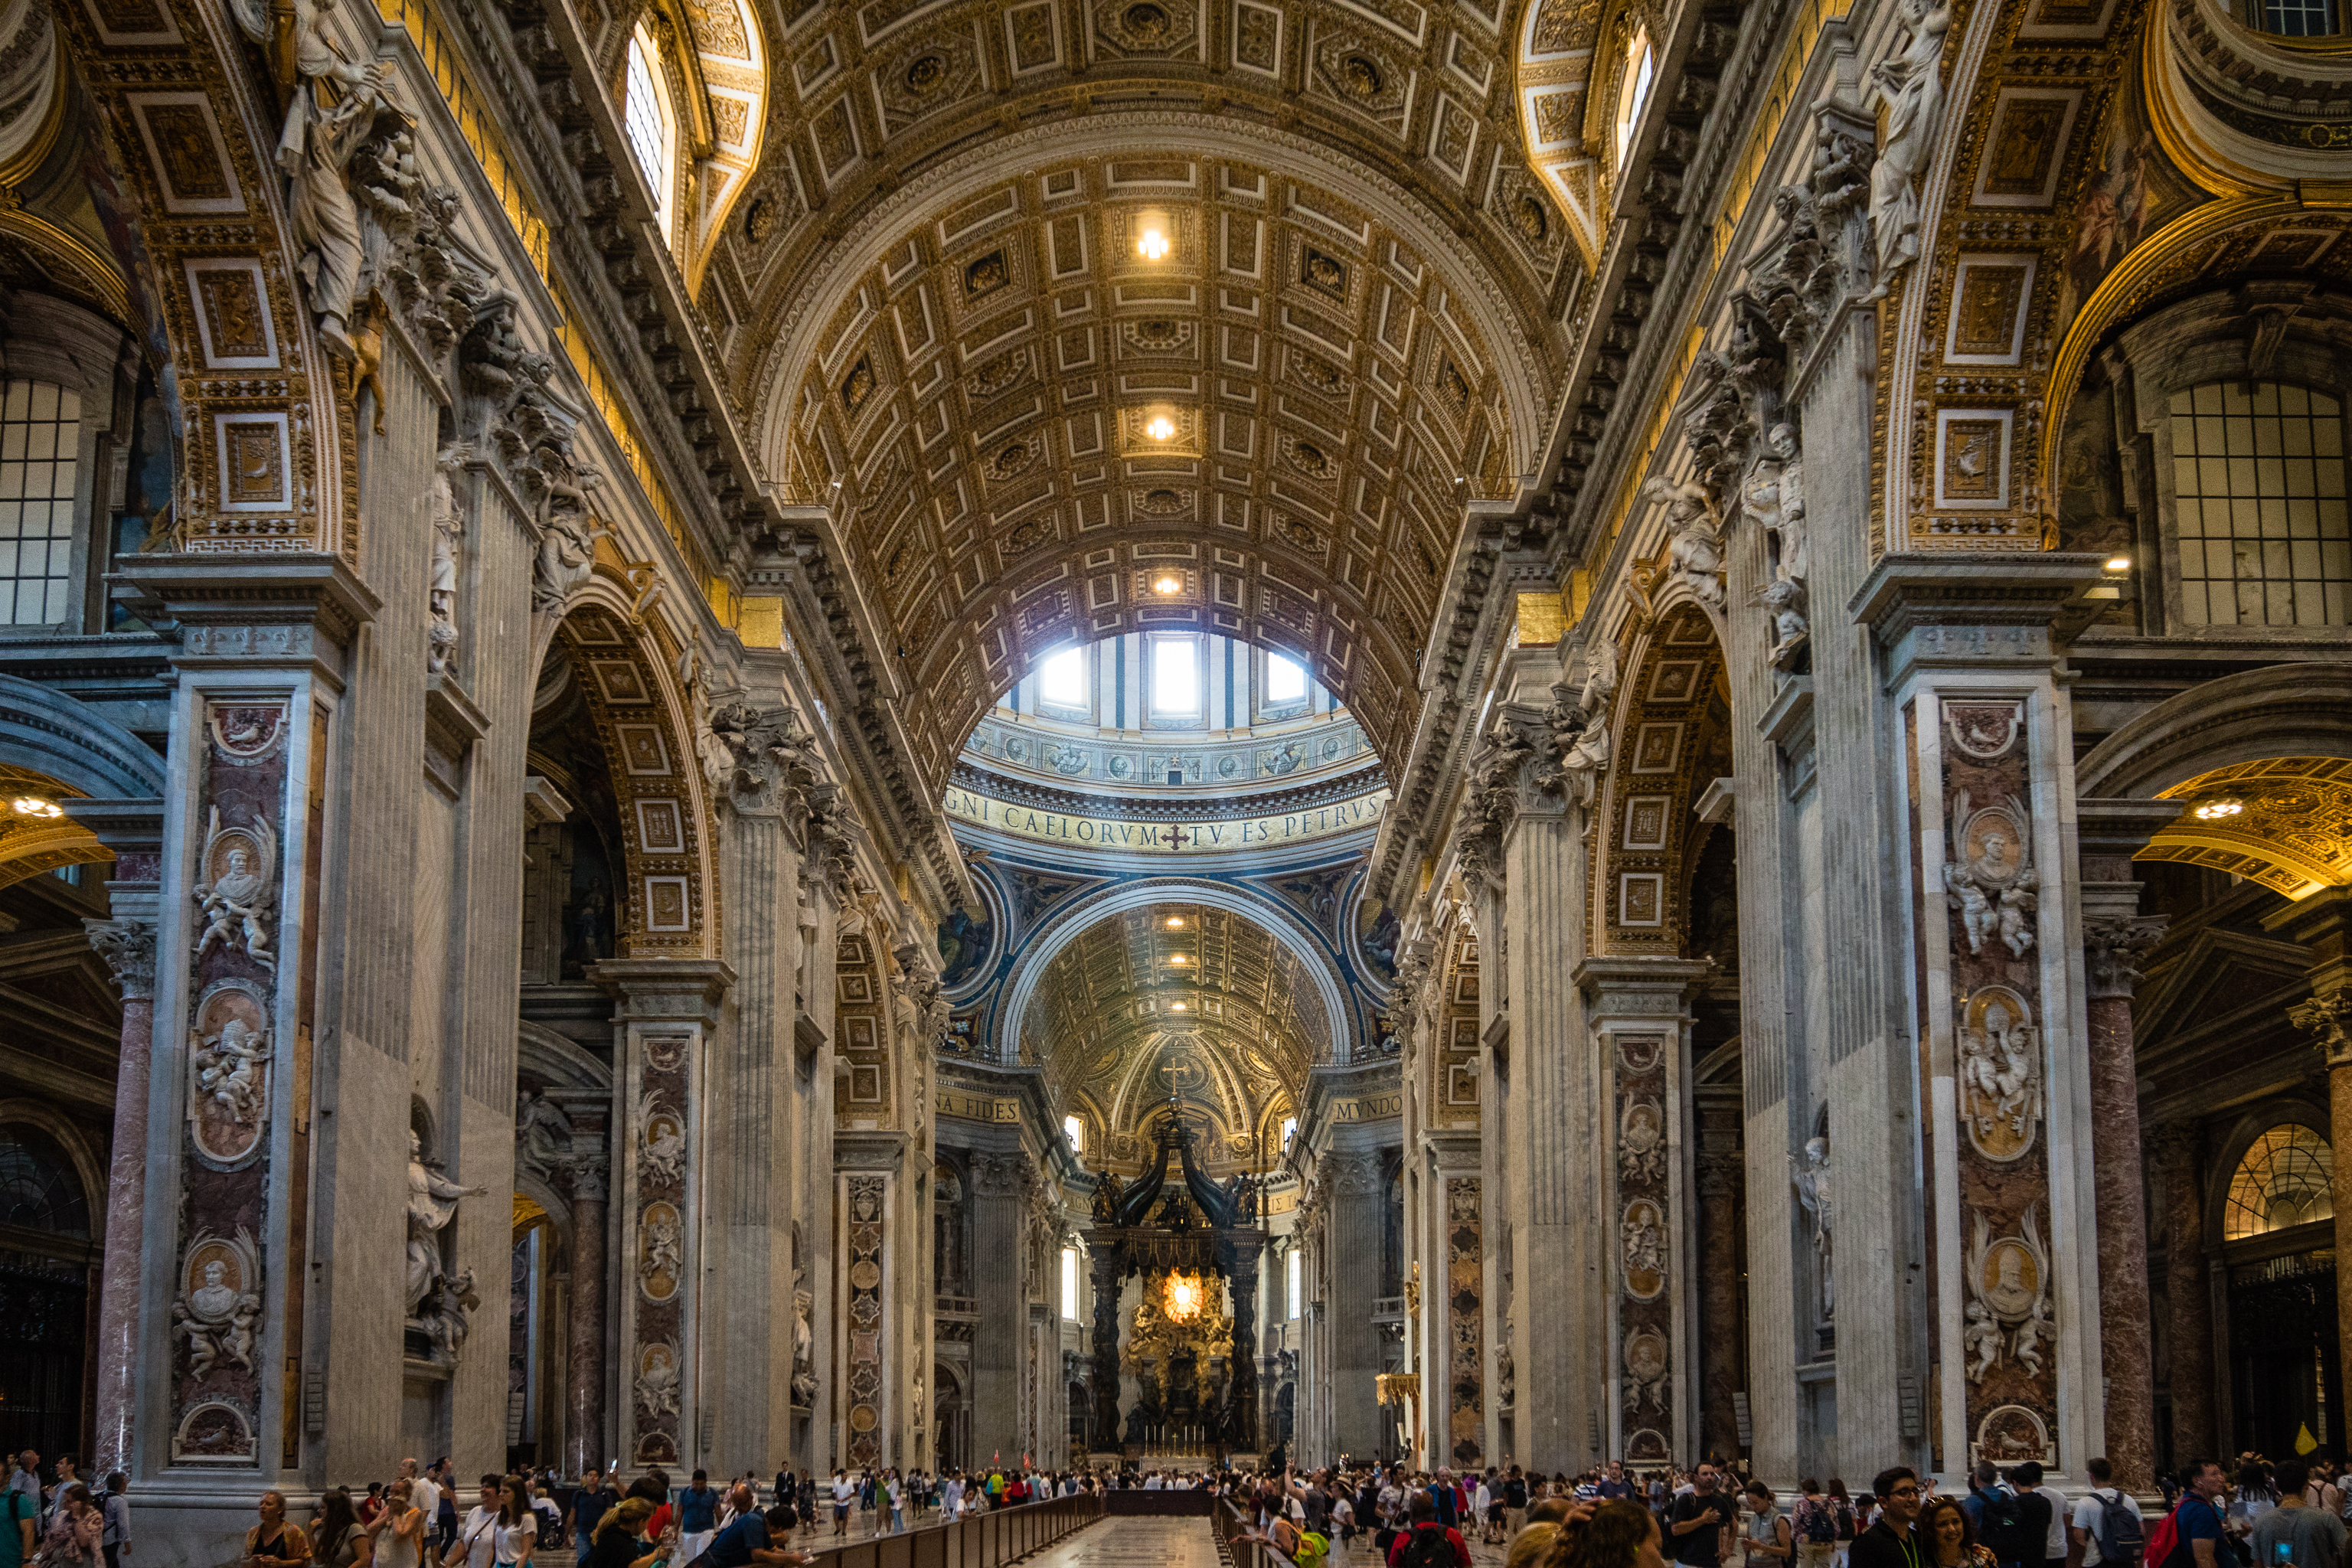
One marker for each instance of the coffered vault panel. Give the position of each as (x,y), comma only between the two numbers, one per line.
(1105,1024)
(981,381)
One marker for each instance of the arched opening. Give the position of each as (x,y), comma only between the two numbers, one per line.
(652,123)
(2278,1256)
(47,1260)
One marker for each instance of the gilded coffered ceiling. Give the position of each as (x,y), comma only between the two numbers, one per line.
(931,293)
(1211,1009)
(2285,822)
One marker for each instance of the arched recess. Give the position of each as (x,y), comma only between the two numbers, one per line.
(2276,743)
(2279,710)
(669,904)
(89,1167)
(1073,921)
(54,748)
(556,1060)
(1670,738)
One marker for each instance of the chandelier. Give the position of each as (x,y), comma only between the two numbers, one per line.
(1182,1297)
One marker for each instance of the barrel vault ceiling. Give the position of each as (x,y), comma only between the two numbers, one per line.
(1119,1025)
(931,292)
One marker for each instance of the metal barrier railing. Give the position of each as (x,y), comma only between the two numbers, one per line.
(987,1541)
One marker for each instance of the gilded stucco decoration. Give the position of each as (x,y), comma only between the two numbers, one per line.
(2284,822)
(1575,68)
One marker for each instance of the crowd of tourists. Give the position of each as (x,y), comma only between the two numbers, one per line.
(2252,1514)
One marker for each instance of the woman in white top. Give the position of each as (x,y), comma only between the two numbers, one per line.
(517,1534)
(399,1530)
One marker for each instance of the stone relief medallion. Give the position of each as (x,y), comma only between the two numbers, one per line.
(217,1311)
(657,1389)
(866,1274)
(661,1163)
(1991,841)
(245,733)
(2011,1435)
(664,1053)
(228,1072)
(2000,1059)
(1984,729)
(2010,1278)
(1647,1446)
(661,1252)
(1638,1054)
(1643,1234)
(1641,1142)
(1646,1372)
(213,1430)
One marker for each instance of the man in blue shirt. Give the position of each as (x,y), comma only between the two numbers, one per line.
(2198,1520)
(744,1543)
(697,1517)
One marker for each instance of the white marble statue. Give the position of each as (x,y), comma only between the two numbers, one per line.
(1913,82)
(229,1066)
(657,1382)
(441,587)
(1695,542)
(432,1203)
(1812,1175)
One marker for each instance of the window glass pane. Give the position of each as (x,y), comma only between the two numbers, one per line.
(1290,1283)
(1175,676)
(1070,1282)
(40,433)
(1062,678)
(1074,1131)
(2281,1181)
(2247,478)
(1286,679)
(649,127)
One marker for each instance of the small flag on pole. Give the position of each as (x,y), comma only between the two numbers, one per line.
(2304,1441)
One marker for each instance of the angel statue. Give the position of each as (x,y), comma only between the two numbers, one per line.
(234,893)
(1107,1193)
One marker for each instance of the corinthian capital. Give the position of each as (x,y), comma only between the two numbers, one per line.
(2329,1021)
(2111,948)
(128,948)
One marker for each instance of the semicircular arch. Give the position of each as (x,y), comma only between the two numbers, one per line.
(2302,710)
(1067,925)
(1670,727)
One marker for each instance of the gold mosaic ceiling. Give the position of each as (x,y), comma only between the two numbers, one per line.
(931,292)
(1119,1025)
(2285,822)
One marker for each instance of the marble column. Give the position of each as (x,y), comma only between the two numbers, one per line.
(2177,1149)
(588,1361)
(127,942)
(2111,940)
(1104,1264)
(1720,1179)
(2322,924)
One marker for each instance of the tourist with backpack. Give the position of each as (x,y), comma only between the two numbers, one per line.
(2191,1535)
(2013,1521)
(1815,1525)
(2107,1531)
(2297,1534)
(1429,1543)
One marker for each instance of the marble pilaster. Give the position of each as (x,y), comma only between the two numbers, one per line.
(1720,1175)
(2177,1152)
(665,1012)
(997,1351)
(1639,1012)
(1352,1177)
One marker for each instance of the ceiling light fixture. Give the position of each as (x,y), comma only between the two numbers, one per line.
(2215,810)
(1166,585)
(34,805)
(2119,563)
(1151,241)
(1175,922)
(1180,958)
(1159,427)
(1176,1007)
